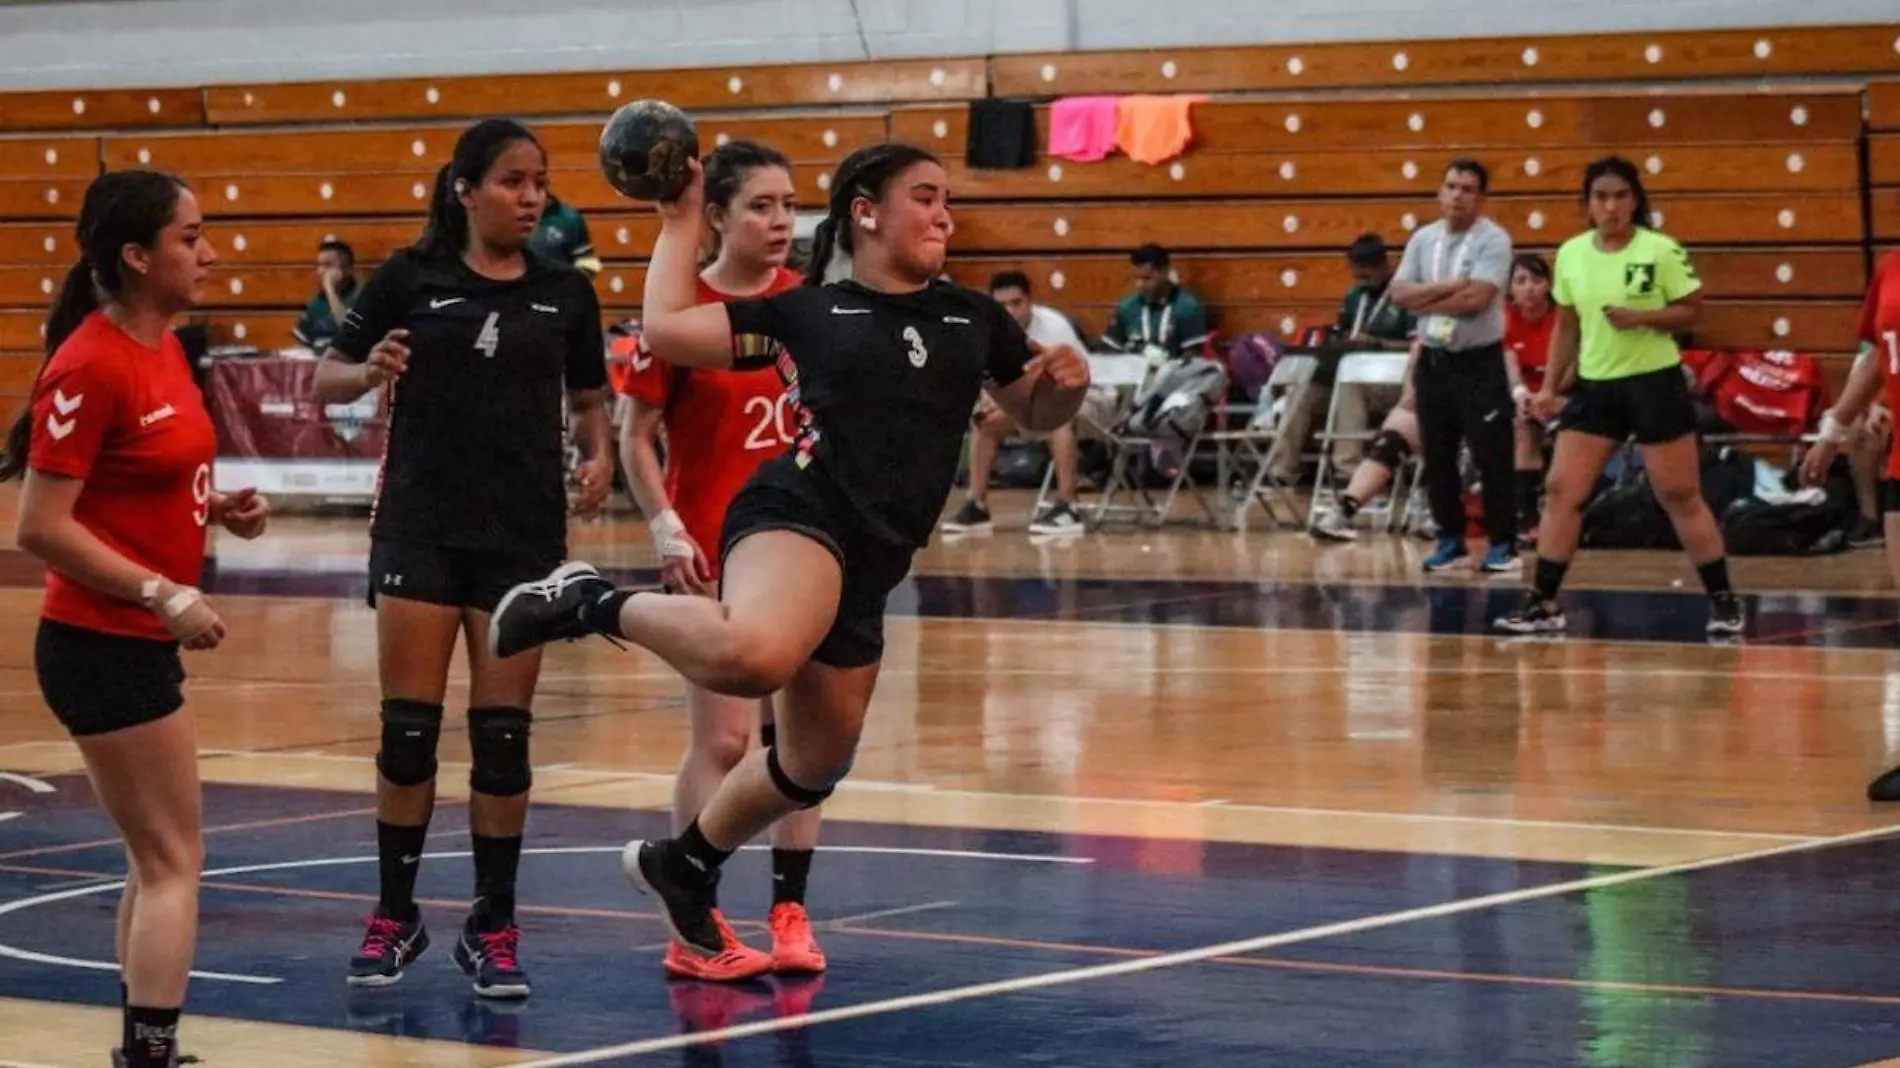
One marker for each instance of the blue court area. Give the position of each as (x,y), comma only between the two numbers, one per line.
(1448,606)
(1783,962)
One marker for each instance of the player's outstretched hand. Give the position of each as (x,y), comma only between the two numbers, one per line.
(245,513)
(692,199)
(1061,364)
(388,360)
(596,478)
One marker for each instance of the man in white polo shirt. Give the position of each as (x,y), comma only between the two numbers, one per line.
(1453,277)
(1049,328)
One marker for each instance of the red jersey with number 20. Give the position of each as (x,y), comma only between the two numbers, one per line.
(1880,327)
(129,421)
(720,426)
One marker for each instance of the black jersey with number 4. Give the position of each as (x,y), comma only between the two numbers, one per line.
(475,424)
(884,384)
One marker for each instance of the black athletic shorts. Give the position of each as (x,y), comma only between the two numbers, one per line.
(872,566)
(97,683)
(1654,408)
(456,578)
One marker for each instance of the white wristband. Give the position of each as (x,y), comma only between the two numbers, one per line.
(1833,431)
(669,535)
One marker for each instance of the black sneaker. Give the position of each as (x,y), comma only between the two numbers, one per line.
(536,613)
(1058,518)
(1725,614)
(1866,533)
(1886,787)
(687,896)
(490,958)
(972,518)
(1534,616)
(389,946)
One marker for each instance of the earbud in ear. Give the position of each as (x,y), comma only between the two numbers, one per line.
(868,223)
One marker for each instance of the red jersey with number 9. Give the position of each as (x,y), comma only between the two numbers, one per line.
(720,426)
(129,421)
(1880,327)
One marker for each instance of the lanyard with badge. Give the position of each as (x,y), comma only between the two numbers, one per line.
(1153,342)
(1439,329)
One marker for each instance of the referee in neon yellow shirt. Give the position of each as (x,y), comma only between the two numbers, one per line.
(1623,290)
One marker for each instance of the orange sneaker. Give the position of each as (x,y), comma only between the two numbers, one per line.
(794,949)
(736,963)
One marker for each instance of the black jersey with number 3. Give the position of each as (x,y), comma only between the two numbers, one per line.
(475,436)
(884,384)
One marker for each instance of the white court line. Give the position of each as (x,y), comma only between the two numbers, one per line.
(1171,960)
(25,1064)
(38,786)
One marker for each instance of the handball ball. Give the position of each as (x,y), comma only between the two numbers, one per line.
(645,148)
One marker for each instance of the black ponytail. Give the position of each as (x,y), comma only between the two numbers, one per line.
(121,208)
(445,232)
(1618,167)
(865,173)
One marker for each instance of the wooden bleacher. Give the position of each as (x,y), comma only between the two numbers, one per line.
(1299,149)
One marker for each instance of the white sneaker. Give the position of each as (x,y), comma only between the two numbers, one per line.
(1334,526)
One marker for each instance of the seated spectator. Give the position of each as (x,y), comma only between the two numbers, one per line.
(1396,442)
(1368,322)
(562,238)
(1528,323)
(1049,328)
(1159,318)
(336,294)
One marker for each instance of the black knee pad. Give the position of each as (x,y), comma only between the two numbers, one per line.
(410,732)
(1390,448)
(802,796)
(498,740)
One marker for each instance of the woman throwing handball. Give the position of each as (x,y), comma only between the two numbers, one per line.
(117,449)
(883,369)
(720,426)
(477,338)
(1877,370)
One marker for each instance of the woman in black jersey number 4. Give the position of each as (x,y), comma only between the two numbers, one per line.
(476,338)
(883,370)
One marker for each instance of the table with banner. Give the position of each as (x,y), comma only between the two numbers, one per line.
(274,436)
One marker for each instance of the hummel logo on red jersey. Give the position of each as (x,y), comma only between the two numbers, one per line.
(155,416)
(63,406)
(850,311)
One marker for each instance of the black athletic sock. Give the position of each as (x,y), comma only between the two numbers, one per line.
(1530,485)
(1715,576)
(602,614)
(497,860)
(399,857)
(700,856)
(151,1037)
(1549,578)
(791,868)
(1349,505)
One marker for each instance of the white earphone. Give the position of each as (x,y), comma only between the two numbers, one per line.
(868,222)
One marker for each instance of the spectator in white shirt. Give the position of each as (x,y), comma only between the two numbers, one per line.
(1049,328)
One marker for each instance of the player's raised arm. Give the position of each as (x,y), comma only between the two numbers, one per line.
(691,334)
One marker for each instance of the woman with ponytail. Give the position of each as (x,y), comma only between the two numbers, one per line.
(720,426)
(116,449)
(1623,291)
(883,369)
(476,339)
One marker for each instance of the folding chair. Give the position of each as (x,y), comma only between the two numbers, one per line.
(1257,443)
(1127,374)
(1361,370)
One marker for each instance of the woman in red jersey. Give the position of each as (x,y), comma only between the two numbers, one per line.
(1527,328)
(116,449)
(720,426)
(1876,373)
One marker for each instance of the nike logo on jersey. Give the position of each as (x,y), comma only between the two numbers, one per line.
(850,311)
(152,417)
(548,308)
(436,304)
(67,406)
(957,319)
